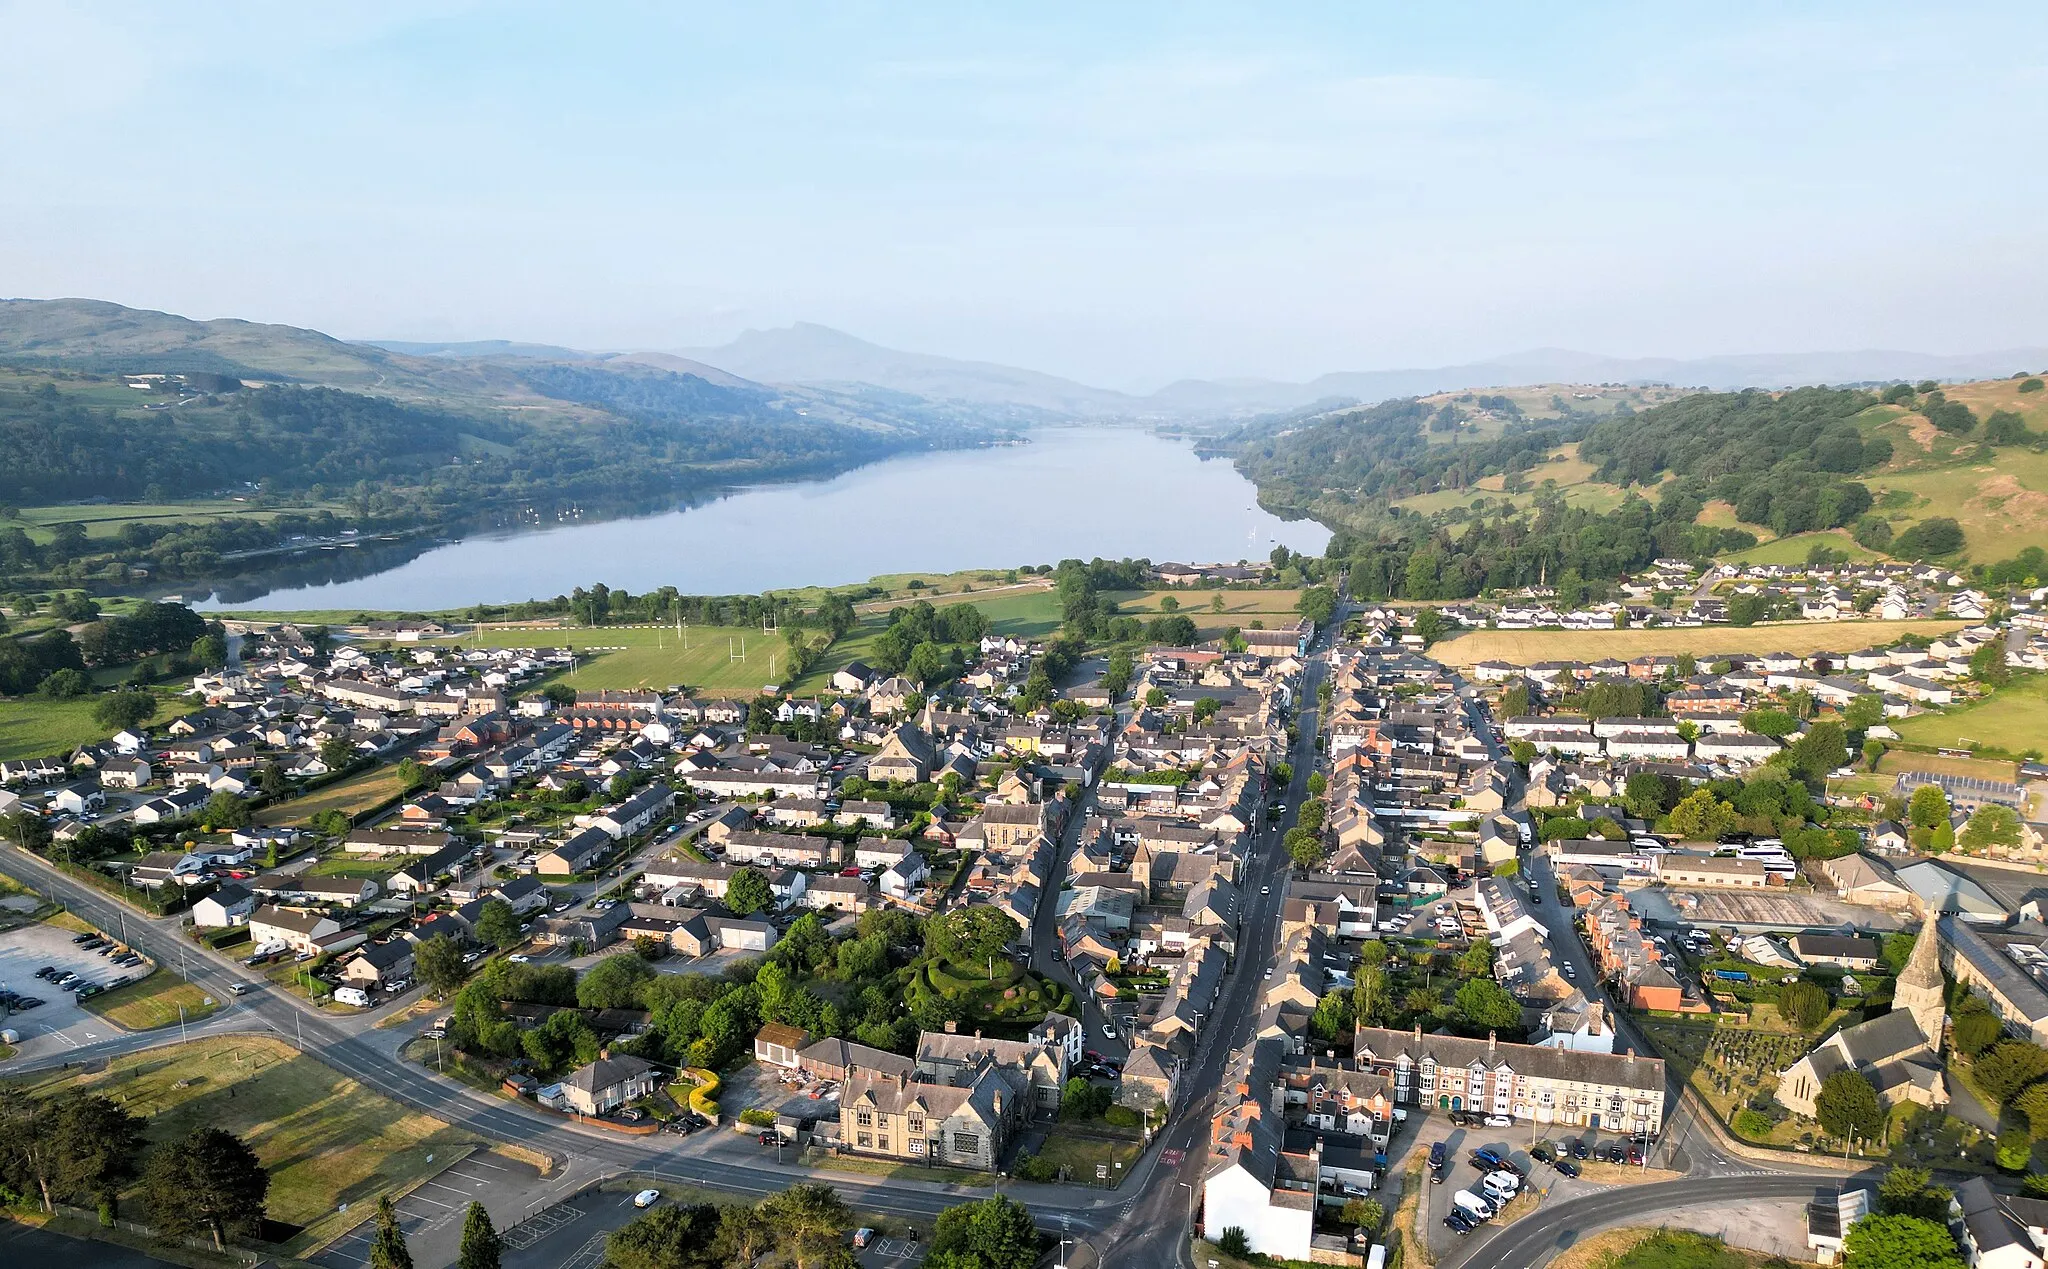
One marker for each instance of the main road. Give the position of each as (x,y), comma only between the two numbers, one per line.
(1146,1223)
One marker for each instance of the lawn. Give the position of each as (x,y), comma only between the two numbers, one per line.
(717,659)
(1526,647)
(153,1002)
(2012,718)
(354,795)
(326,1139)
(1080,1156)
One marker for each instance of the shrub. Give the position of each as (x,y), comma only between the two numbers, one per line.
(1122,1117)
(1235,1242)
(1754,1124)
(755,1117)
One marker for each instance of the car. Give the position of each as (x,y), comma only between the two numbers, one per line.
(29,1002)
(1617,1153)
(1570,974)
(1265,890)
(1091,1055)
(1635,1154)
(769,1138)
(66,981)
(241,989)
(1457,1220)
(647,1198)
(80,938)
(1108,1031)
(1566,1167)
(1580,1150)
(47,972)
(519,958)
(1499,1121)
(863,1236)
(1439,1152)
(1269,971)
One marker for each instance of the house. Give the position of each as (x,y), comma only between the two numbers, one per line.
(379,964)
(525,895)
(905,875)
(841,1060)
(965,1126)
(179,804)
(124,773)
(905,755)
(637,812)
(1829,949)
(228,905)
(607,1084)
(389,841)
(300,931)
(421,876)
(854,678)
(348,892)
(575,855)
(1998,1231)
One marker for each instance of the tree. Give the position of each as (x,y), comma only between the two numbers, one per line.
(1235,1243)
(1803,1004)
(387,1244)
(1927,807)
(1977,1030)
(1486,1006)
(810,1222)
(481,1246)
(1899,1242)
(970,935)
(668,1237)
(1701,816)
(614,982)
(1650,795)
(1991,825)
(744,1235)
(1847,1103)
(1318,783)
(97,1147)
(225,810)
(1363,1213)
(438,962)
(748,892)
(1430,627)
(1304,847)
(995,1233)
(412,775)
(1908,1192)
(337,752)
(2009,1066)
(1316,604)
(210,1180)
(1822,749)
(498,925)
(119,711)
(2013,1148)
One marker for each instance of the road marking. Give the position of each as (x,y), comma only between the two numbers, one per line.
(424,1199)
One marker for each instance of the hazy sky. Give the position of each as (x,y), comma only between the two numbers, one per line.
(1125,193)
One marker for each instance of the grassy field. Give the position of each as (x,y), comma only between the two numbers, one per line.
(326,1139)
(1565,470)
(1793,550)
(638,656)
(1081,1155)
(353,795)
(153,1002)
(2013,718)
(1529,646)
(33,727)
(105,521)
(2000,499)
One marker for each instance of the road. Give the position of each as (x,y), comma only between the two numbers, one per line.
(1145,1222)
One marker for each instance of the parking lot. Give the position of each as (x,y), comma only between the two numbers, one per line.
(58,1023)
(432,1214)
(1540,1180)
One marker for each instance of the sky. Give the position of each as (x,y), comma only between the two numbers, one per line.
(1125,194)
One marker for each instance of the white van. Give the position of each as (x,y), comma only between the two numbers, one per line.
(352,996)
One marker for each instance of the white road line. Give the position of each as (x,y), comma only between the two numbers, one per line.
(481,1164)
(424,1199)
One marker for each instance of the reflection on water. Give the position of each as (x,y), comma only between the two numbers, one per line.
(1077,492)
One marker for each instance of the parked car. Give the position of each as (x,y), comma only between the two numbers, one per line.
(1438,1153)
(1457,1221)
(1580,1150)
(1566,1167)
(1499,1121)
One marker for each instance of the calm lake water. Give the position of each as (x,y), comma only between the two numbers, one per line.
(1071,492)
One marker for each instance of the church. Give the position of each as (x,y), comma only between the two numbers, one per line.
(1899,1052)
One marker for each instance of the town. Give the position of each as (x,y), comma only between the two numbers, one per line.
(1376,947)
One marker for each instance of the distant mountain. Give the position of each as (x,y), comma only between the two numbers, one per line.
(1561,365)
(482,348)
(810,354)
(97,332)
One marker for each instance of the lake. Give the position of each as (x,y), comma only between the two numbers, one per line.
(1070,492)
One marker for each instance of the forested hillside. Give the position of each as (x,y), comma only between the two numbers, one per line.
(1584,500)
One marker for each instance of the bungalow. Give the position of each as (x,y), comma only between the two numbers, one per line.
(180,804)
(385,841)
(524,895)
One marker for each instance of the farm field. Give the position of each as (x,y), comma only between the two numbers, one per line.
(354,796)
(35,727)
(1529,646)
(2000,499)
(326,1139)
(2013,718)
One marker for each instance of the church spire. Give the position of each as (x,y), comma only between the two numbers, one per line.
(1920,990)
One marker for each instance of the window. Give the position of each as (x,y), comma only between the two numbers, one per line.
(916,1146)
(867,1141)
(864,1118)
(916,1124)
(882,1144)
(966,1143)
